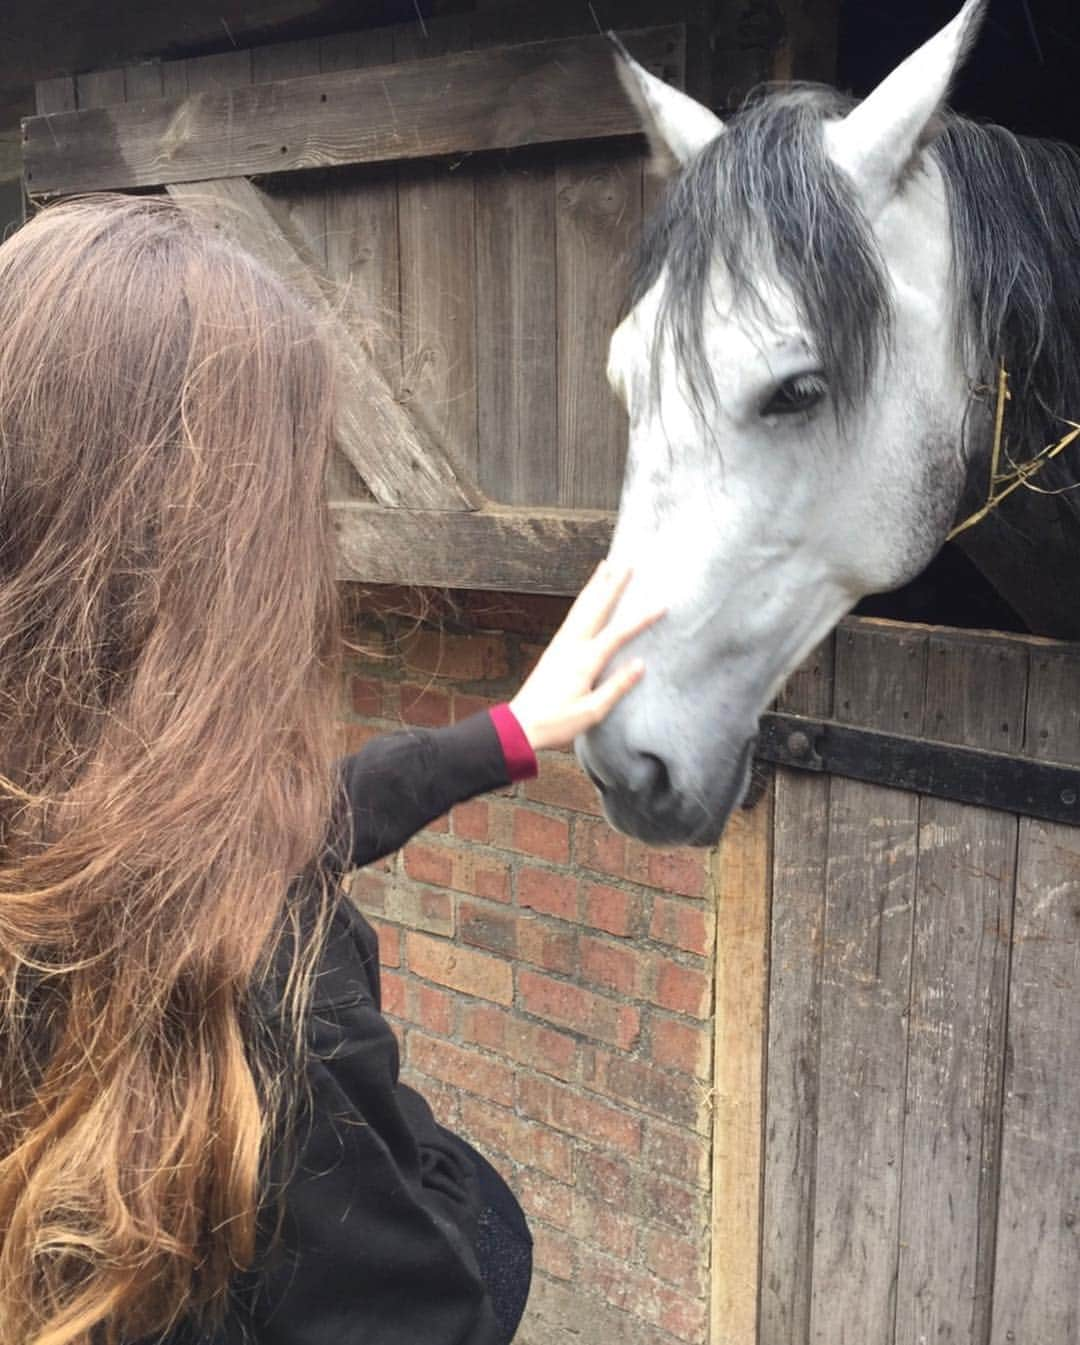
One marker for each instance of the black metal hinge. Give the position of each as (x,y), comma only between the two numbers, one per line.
(1012,784)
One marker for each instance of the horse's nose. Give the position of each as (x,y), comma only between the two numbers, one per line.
(641,779)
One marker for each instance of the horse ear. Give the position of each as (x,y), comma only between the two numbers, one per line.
(675,124)
(878,142)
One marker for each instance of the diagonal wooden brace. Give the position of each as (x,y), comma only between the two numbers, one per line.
(395,453)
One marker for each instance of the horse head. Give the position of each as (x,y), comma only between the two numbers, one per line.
(797,399)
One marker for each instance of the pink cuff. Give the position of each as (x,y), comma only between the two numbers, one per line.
(521,763)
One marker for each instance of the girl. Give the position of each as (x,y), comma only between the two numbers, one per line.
(202,1134)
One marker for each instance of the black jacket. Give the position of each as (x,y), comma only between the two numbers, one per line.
(378,1241)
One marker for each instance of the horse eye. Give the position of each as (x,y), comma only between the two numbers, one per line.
(799,394)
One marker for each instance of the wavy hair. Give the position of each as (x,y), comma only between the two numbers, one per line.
(169,645)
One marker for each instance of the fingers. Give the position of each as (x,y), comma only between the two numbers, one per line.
(613,641)
(598,704)
(596,601)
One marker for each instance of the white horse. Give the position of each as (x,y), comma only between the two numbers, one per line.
(808,367)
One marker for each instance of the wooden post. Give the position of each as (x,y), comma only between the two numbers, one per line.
(743,869)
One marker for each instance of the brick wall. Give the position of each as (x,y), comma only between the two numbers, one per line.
(550,983)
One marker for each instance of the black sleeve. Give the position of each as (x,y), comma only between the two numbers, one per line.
(399,783)
(378,1240)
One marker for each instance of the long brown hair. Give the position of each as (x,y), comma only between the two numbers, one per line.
(168,658)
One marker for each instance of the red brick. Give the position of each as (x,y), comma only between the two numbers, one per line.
(562,784)
(471,820)
(484,927)
(485,878)
(538,834)
(541,1048)
(389,943)
(461,969)
(366,696)
(603,1177)
(613,1231)
(682,989)
(609,908)
(464,1069)
(464,705)
(677,1260)
(576,1113)
(441,825)
(609,965)
(681,1046)
(598,847)
(550,946)
(665,1202)
(465,658)
(643,1295)
(572,1006)
(545,1199)
(681,925)
(431,1009)
(553,1252)
(429,864)
(549,892)
(393,993)
(676,1153)
(535,1146)
(636,1083)
(424,706)
(676,871)
(427,908)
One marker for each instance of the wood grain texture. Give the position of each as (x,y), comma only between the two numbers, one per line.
(742,876)
(400,464)
(437,242)
(518,458)
(496,99)
(866,969)
(1036,1297)
(598,220)
(800,850)
(956,1050)
(514,550)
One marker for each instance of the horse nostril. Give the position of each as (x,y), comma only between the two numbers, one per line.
(655,782)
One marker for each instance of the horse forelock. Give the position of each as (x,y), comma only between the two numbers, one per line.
(765,201)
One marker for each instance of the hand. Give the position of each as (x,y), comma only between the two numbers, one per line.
(559,700)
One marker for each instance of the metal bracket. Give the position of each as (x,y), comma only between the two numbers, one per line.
(1012,784)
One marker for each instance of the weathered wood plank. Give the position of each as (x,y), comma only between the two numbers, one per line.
(1038,1237)
(870,895)
(743,873)
(361,224)
(437,242)
(598,220)
(400,464)
(496,99)
(100,88)
(963,922)
(517,550)
(55,95)
(800,852)
(516,332)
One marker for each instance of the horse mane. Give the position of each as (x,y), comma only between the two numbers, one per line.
(766,187)
(1014,210)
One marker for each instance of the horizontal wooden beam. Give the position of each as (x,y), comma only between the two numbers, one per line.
(513,549)
(476,100)
(395,454)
